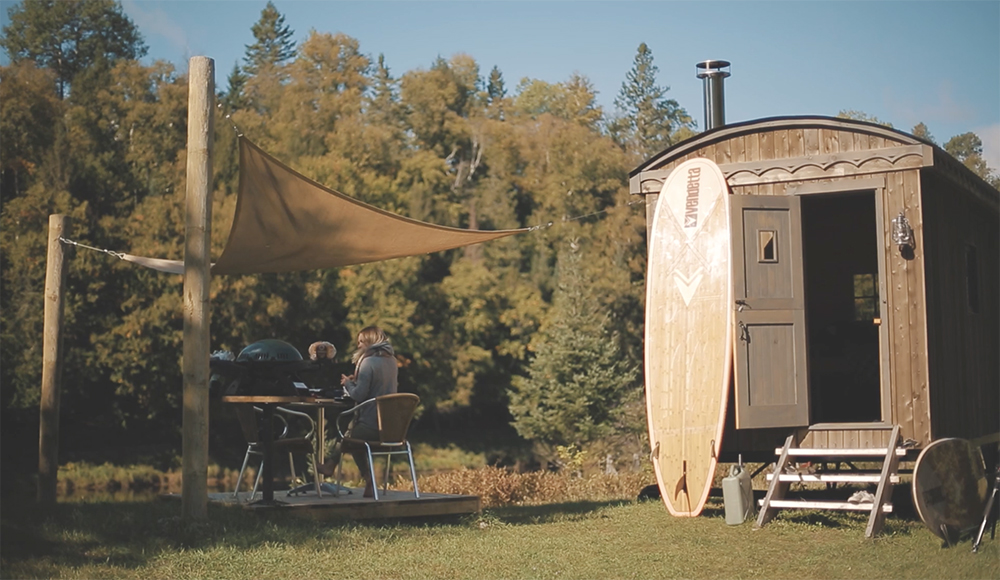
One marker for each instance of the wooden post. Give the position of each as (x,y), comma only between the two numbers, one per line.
(48,428)
(197,278)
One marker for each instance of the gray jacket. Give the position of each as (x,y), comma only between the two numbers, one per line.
(375,375)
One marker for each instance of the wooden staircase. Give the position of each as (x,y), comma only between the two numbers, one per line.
(780,480)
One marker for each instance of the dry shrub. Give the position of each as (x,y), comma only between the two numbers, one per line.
(500,487)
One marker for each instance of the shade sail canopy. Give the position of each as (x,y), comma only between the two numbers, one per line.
(286,222)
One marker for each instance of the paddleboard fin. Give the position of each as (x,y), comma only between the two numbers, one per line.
(682,483)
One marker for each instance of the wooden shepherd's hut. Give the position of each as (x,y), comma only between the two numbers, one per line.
(866,269)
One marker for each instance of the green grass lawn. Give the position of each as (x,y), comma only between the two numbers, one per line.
(570,540)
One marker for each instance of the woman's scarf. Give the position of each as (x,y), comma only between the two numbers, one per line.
(378,349)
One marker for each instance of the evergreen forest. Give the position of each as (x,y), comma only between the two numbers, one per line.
(536,337)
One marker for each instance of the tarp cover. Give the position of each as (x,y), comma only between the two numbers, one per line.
(285,222)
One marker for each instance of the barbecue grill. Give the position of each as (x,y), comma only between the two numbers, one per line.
(266,367)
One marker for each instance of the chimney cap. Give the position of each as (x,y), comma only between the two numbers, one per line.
(711,68)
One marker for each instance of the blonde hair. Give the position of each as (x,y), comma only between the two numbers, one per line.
(368,336)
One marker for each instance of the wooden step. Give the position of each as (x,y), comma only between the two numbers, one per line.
(877,507)
(833,477)
(807,452)
(825,505)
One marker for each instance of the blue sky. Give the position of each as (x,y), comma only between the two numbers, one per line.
(904,62)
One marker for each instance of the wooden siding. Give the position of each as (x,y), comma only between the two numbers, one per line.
(771,161)
(906,312)
(963,344)
(845,438)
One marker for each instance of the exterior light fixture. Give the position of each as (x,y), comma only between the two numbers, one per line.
(902,233)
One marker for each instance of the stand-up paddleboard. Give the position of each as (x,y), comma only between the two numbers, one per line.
(689,346)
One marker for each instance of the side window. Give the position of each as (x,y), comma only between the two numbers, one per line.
(865,297)
(972,278)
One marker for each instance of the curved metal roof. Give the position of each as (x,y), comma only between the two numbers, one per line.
(791,122)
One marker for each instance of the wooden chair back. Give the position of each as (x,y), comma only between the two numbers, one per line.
(394,415)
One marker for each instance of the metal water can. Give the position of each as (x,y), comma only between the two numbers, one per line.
(737,494)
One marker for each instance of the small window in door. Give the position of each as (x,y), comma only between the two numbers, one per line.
(767,246)
(865,297)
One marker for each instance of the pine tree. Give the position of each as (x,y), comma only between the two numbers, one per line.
(578,377)
(921,130)
(495,93)
(495,86)
(647,121)
(234,98)
(274,45)
(383,105)
(264,63)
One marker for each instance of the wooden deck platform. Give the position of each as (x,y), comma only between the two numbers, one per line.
(394,504)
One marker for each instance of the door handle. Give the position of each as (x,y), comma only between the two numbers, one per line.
(744,332)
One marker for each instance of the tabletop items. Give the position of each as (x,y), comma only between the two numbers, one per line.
(274,367)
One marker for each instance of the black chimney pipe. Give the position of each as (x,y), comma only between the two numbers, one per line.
(712,73)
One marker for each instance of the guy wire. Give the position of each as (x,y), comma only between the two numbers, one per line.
(580,217)
(118,255)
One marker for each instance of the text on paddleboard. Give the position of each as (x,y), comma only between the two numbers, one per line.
(691,205)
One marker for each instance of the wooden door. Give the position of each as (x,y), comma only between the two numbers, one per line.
(770,359)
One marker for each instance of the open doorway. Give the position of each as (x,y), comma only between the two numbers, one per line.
(840,255)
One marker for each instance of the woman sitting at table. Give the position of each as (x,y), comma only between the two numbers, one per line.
(375,374)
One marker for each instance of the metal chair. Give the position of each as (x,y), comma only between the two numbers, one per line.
(394,415)
(247,415)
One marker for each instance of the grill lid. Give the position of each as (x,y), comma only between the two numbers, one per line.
(270,350)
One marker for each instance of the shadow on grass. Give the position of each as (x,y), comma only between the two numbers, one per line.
(129,534)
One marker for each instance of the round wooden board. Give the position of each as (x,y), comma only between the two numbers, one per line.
(688,332)
(949,486)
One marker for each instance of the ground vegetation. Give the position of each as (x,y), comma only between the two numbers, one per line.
(598,536)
